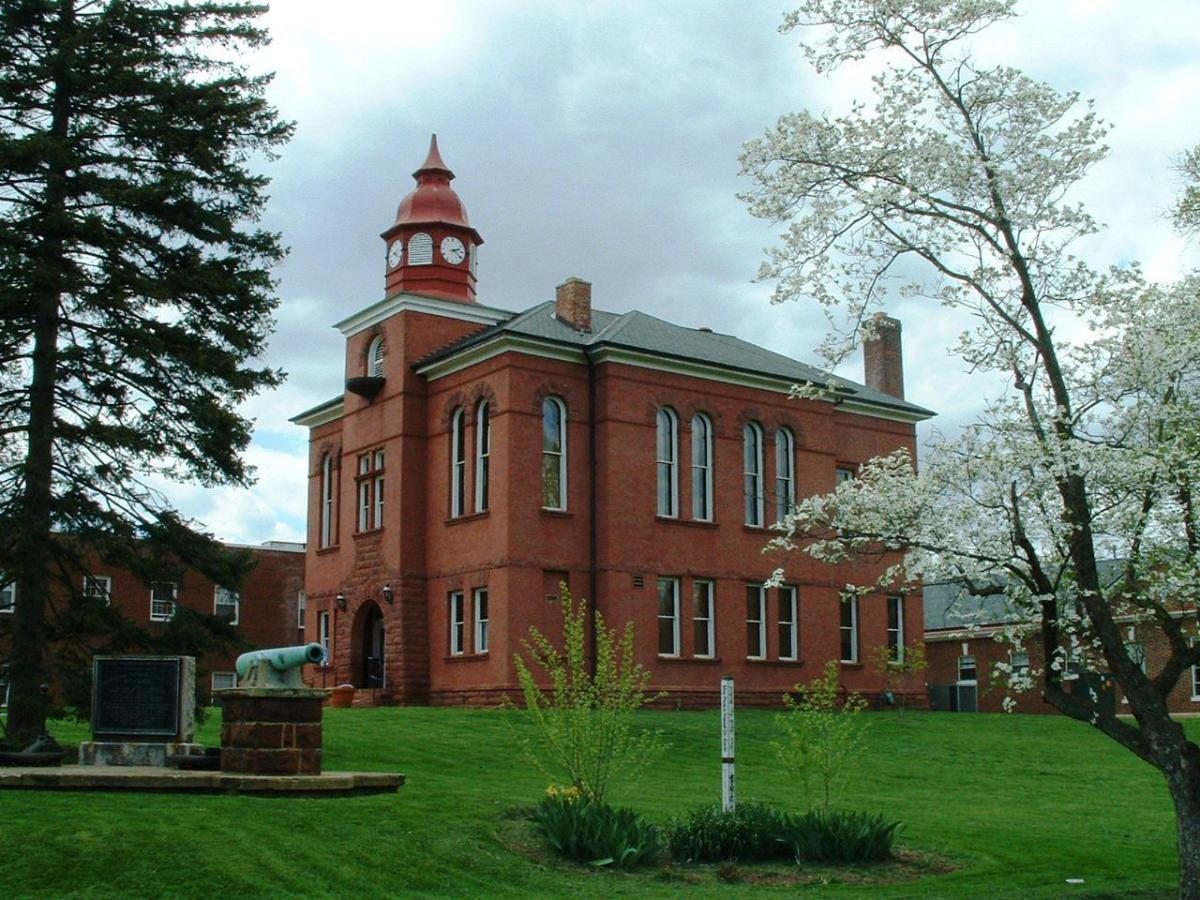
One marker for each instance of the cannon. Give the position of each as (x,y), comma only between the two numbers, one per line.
(277,667)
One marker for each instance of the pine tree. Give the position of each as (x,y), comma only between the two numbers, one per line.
(135,287)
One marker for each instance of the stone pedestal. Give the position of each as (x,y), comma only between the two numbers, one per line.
(271,732)
(132,753)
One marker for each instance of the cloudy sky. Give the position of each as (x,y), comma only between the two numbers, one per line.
(601,139)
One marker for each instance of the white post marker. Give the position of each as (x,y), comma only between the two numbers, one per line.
(728,792)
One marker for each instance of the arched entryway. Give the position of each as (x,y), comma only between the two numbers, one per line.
(368,656)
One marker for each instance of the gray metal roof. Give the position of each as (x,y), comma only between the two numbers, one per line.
(638,331)
(950,605)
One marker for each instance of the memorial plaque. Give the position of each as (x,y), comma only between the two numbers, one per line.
(136,697)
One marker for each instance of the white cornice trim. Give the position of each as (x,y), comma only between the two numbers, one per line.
(397,303)
(501,343)
(320,415)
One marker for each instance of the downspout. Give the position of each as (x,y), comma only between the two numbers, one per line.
(594,493)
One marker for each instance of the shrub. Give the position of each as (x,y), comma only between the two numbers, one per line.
(590,831)
(823,733)
(839,836)
(583,725)
(750,833)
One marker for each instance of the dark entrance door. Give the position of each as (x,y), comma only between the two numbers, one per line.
(373,649)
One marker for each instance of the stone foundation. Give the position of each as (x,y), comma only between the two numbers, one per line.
(132,753)
(271,732)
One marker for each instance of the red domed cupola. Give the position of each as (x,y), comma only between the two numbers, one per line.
(432,248)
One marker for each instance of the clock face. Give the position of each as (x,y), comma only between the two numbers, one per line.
(453,250)
(395,253)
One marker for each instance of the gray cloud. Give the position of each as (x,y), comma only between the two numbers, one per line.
(601,140)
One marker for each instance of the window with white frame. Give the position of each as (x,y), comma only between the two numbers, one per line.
(483,452)
(895,627)
(752,466)
(379,488)
(301,609)
(1137,653)
(702,468)
(554,454)
(458,462)
(704,619)
(481,620)
(224,681)
(8,595)
(1018,662)
(98,588)
(420,250)
(789,623)
(458,623)
(966,669)
(1196,682)
(844,473)
(849,628)
(364,492)
(162,600)
(327,494)
(226,604)
(370,490)
(668,617)
(756,621)
(375,357)
(785,472)
(323,619)
(667,457)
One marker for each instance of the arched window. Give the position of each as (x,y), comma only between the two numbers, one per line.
(420,250)
(785,472)
(752,452)
(483,449)
(458,462)
(668,471)
(702,468)
(375,357)
(554,454)
(327,500)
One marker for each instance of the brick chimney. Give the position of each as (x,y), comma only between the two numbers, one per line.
(882,359)
(573,303)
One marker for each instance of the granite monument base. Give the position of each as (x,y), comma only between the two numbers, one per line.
(133,753)
(268,731)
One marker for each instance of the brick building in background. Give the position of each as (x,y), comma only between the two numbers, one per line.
(963,647)
(267,610)
(478,457)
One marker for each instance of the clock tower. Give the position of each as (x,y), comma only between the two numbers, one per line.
(431,247)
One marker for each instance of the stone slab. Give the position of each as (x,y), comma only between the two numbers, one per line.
(152,778)
(132,753)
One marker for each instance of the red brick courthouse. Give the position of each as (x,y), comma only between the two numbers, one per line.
(478,457)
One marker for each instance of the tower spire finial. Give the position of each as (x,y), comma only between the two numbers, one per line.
(433,161)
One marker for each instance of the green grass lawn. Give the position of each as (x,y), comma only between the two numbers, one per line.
(1018,804)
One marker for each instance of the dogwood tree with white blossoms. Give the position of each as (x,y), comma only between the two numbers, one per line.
(955,178)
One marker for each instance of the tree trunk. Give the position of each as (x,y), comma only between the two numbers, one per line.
(1184,784)
(27,664)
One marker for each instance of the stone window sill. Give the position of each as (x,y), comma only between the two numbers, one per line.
(370,532)
(690,523)
(465,657)
(557,513)
(468,517)
(692,660)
